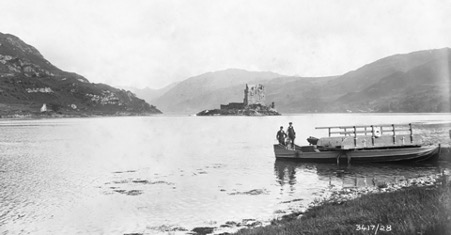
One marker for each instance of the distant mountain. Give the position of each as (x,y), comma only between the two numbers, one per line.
(149,94)
(414,82)
(28,80)
(208,90)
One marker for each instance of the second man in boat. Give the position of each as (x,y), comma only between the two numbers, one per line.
(291,134)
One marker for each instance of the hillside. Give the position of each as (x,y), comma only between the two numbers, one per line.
(28,80)
(414,82)
(208,90)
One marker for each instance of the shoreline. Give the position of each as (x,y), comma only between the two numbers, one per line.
(30,115)
(358,211)
(343,199)
(61,116)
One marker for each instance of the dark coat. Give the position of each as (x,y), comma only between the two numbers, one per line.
(281,135)
(291,132)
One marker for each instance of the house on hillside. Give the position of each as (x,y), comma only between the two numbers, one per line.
(44,108)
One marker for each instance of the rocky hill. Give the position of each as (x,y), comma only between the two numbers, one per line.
(28,80)
(414,82)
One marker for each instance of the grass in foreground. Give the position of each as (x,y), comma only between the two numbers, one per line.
(415,210)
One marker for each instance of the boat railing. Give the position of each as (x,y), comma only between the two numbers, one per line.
(389,132)
(374,130)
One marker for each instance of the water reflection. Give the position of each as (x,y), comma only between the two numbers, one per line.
(285,172)
(362,175)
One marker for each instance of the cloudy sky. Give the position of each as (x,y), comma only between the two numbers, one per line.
(156,42)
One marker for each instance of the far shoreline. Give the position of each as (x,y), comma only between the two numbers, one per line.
(51,116)
(181,114)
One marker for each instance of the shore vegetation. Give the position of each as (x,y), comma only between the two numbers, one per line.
(412,210)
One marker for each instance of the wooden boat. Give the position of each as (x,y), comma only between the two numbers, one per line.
(362,144)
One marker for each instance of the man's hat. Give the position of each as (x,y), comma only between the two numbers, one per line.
(290,123)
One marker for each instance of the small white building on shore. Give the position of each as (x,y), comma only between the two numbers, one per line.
(44,108)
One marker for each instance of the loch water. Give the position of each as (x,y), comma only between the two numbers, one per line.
(170,174)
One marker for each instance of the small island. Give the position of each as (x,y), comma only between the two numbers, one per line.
(252,105)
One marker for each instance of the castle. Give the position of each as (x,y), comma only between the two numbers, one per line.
(253,95)
(253,105)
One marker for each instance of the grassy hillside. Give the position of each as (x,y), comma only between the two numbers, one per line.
(28,80)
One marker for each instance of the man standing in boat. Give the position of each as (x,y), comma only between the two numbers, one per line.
(291,134)
(281,135)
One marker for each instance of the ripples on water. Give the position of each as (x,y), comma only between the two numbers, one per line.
(159,174)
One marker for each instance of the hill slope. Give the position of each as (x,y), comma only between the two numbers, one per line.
(28,80)
(414,82)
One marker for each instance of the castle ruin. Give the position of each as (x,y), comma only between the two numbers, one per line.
(253,105)
(254,94)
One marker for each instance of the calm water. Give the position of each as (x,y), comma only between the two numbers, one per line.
(154,174)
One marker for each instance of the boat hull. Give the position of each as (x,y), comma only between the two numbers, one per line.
(399,154)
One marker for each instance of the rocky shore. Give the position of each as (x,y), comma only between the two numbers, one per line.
(340,195)
(341,199)
(333,196)
(418,206)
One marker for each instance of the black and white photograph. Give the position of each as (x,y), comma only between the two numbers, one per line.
(244,117)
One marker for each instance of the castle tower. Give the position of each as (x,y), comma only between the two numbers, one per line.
(254,94)
(245,96)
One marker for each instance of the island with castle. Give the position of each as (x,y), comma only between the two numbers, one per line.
(252,105)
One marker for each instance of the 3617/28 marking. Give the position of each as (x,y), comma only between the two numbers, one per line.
(374,227)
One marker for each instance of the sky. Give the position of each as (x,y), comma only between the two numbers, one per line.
(153,43)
